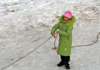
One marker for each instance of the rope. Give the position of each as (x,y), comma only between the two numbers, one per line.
(88,44)
(26,54)
(53,48)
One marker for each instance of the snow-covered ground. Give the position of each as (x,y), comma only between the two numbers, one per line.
(23,21)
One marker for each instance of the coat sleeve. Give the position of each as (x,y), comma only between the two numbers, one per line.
(68,32)
(54,28)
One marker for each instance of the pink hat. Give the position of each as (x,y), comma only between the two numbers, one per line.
(68,14)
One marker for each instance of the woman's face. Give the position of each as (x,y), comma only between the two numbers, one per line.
(65,18)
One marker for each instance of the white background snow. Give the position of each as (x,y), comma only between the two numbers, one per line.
(23,21)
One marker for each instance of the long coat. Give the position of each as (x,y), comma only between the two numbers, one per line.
(65,35)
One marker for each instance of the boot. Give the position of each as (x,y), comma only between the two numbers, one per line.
(60,64)
(67,59)
(67,66)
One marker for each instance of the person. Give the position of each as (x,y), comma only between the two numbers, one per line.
(65,26)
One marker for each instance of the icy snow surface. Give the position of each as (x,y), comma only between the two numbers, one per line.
(23,21)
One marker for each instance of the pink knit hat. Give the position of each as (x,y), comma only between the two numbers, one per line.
(68,14)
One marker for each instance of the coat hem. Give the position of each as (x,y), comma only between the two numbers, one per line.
(63,55)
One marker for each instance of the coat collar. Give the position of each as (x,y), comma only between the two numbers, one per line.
(68,23)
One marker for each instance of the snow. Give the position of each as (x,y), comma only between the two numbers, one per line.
(23,21)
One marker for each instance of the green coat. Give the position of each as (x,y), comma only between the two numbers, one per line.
(65,35)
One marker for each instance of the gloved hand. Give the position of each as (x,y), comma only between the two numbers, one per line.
(57,31)
(54,35)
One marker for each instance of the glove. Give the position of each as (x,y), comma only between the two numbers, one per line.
(54,35)
(57,31)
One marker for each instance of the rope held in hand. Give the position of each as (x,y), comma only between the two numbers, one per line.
(54,48)
(25,55)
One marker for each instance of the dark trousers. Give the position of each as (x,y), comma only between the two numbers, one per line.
(65,59)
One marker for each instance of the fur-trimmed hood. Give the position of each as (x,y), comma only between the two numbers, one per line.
(68,23)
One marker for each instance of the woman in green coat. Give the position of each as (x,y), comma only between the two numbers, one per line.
(65,26)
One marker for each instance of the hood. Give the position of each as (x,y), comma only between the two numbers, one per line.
(69,22)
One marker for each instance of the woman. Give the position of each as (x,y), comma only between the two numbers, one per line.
(65,26)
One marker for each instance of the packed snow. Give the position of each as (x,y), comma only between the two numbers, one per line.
(23,21)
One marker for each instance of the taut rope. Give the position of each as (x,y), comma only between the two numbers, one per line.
(26,54)
(53,48)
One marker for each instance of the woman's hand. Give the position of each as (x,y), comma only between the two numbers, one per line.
(57,31)
(54,35)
